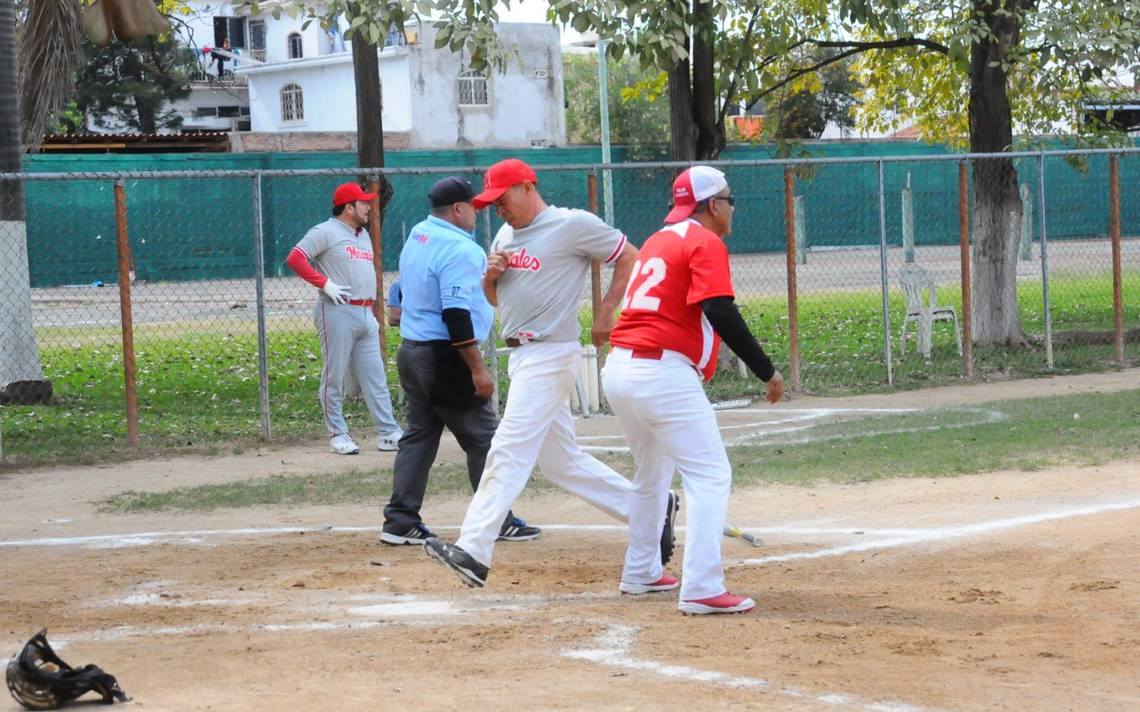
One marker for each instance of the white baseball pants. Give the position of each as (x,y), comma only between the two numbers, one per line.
(670,424)
(537,427)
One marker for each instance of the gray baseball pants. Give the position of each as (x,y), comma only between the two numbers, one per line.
(350,335)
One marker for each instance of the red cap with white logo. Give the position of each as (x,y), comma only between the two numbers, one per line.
(500,178)
(691,187)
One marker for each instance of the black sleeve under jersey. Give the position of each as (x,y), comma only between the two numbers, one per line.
(726,320)
(459,327)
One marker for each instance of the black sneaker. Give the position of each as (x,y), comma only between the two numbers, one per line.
(668,536)
(469,571)
(418,534)
(516,529)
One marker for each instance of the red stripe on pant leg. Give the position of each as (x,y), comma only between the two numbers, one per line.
(325,367)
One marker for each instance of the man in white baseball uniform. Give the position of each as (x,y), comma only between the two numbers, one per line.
(346,282)
(535,274)
(677,307)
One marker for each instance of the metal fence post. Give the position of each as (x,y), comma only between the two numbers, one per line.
(801,231)
(1047,304)
(259,286)
(793,307)
(907,221)
(490,347)
(123,247)
(964,263)
(883,277)
(1026,224)
(1114,234)
(595,287)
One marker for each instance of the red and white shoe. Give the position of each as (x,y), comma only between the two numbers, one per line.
(724,603)
(665,583)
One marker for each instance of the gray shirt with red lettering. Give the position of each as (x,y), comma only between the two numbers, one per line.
(342,255)
(539,291)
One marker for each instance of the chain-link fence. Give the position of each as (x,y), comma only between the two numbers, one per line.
(160,301)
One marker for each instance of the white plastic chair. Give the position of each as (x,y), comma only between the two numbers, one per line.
(922,308)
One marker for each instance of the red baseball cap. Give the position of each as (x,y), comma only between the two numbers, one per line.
(691,187)
(350,193)
(500,178)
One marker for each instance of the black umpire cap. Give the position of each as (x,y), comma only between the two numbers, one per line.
(450,190)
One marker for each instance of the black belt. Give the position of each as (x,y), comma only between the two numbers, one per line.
(437,342)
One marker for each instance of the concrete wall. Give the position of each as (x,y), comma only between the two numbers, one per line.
(526,102)
(418,83)
(213,96)
(329,93)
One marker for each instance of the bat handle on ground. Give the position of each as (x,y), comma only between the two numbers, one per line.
(738,533)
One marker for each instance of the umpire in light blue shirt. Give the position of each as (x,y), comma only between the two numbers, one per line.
(444,318)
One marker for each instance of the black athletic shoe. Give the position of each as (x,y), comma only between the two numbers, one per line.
(668,536)
(418,534)
(516,529)
(469,571)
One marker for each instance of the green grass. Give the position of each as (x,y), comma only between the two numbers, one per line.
(1036,433)
(940,442)
(281,490)
(198,390)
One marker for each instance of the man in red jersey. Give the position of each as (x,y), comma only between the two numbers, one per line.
(677,308)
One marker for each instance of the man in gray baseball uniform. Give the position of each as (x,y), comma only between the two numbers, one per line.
(346,279)
(535,274)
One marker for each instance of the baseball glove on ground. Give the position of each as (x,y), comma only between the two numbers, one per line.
(40,680)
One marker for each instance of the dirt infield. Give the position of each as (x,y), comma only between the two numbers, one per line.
(1007,590)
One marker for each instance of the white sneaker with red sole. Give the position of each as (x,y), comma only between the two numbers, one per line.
(665,583)
(724,603)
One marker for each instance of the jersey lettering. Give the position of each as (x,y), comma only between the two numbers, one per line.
(521,260)
(654,272)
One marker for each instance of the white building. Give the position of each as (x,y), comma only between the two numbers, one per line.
(287,78)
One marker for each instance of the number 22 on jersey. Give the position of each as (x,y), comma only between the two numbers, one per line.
(641,282)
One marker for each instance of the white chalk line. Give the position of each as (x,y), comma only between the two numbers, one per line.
(896,536)
(945,533)
(800,419)
(613,649)
(385,610)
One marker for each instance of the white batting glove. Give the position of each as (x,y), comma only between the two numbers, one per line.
(335,292)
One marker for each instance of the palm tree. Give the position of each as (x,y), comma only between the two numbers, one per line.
(50,54)
(21,375)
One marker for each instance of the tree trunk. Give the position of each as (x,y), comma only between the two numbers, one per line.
(145,113)
(11,192)
(682,128)
(369,104)
(369,108)
(997,204)
(710,141)
(694,132)
(21,376)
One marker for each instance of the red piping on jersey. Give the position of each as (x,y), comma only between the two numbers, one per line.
(617,252)
(298,261)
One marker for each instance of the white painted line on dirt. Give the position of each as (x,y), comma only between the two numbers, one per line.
(804,419)
(193,536)
(616,641)
(201,536)
(947,533)
(896,536)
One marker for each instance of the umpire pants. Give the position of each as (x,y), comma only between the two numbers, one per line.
(473,428)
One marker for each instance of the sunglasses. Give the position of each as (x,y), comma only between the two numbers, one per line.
(730,199)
